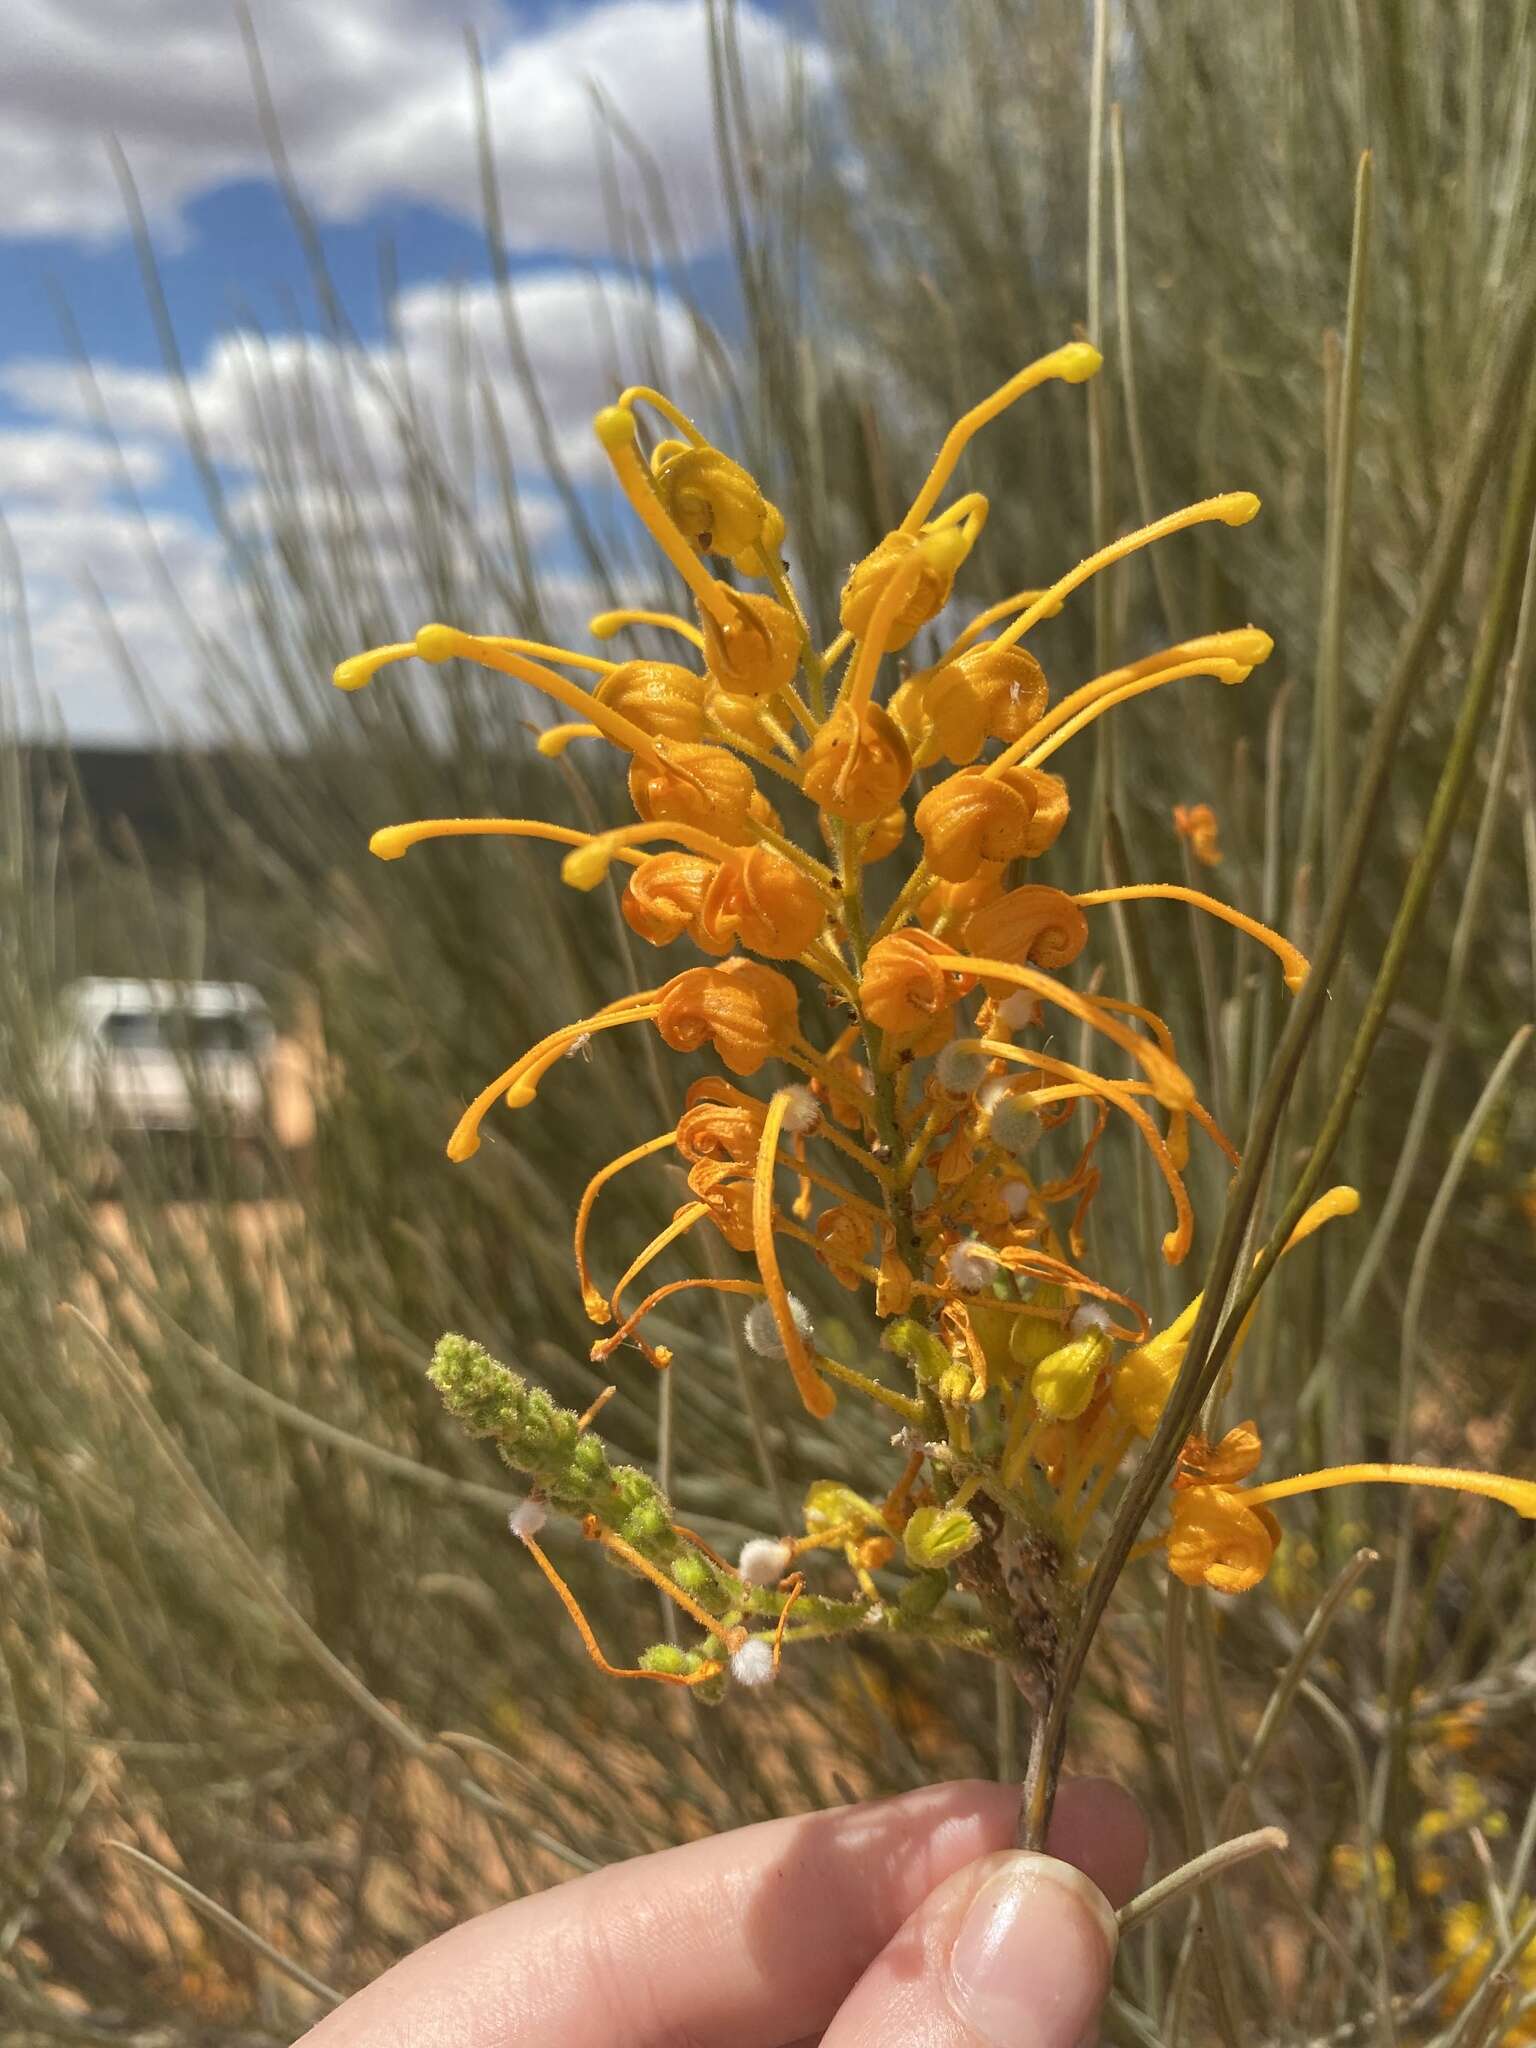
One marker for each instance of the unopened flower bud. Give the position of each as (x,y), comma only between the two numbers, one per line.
(1063,1382)
(670,1659)
(935,1537)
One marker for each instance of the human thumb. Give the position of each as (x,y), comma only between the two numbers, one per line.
(1013,1951)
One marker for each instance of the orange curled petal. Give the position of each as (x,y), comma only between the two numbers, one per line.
(1035,925)
(1218,1539)
(973,817)
(844,1240)
(1197,824)
(749,1013)
(725,1190)
(910,981)
(886,834)
(705,786)
(767,902)
(870,579)
(857,765)
(755,652)
(664,896)
(952,900)
(660,697)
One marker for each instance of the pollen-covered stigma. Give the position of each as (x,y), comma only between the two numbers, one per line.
(896,1150)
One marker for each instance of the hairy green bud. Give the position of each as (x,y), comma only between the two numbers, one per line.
(671,1659)
(1063,1382)
(907,1338)
(935,1537)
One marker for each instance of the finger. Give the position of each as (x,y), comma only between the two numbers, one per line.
(1014,1951)
(1098,1826)
(761,1932)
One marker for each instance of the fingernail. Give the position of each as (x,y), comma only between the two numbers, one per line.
(1030,1966)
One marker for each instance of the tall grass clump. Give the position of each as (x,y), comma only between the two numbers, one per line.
(263,1622)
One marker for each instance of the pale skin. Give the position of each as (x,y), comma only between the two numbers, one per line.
(909,1920)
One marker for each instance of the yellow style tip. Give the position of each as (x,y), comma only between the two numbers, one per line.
(1079,361)
(614,426)
(360,669)
(603,625)
(437,642)
(585,866)
(1250,645)
(462,1145)
(390,842)
(1238,507)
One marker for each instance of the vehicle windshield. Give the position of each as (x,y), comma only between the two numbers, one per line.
(175,1031)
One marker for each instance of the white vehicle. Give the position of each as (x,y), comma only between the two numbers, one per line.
(139,1057)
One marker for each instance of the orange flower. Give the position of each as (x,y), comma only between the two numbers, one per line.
(985,693)
(973,817)
(747,1012)
(1033,926)
(756,652)
(857,765)
(696,785)
(660,697)
(869,579)
(773,906)
(959,899)
(719,1123)
(725,1189)
(663,897)
(845,1239)
(1217,1540)
(901,989)
(1197,824)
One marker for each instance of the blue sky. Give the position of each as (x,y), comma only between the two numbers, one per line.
(373,97)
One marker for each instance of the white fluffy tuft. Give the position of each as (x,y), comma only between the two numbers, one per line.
(802,1112)
(528,1518)
(1089,1315)
(764,1560)
(960,1071)
(1019,1011)
(972,1265)
(752,1664)
(762,1332)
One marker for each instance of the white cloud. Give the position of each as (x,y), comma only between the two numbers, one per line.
(252,390)
(310,445)
(374,99)
(56,465)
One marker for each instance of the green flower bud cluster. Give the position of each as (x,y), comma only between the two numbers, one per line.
(567,1464)
(677,1662)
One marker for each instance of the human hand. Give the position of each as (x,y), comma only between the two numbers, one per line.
(908,1921)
